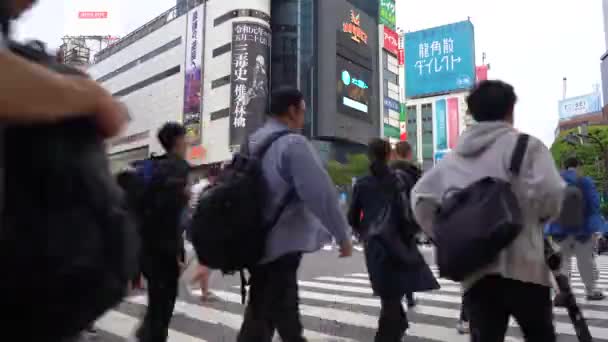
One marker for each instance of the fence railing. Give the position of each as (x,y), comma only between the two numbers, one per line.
(144,30)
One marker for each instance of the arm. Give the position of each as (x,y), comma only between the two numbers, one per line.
(313,186)
(354,212)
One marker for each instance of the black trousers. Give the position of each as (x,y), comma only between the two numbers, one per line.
(273,302)
(392,322)
(162,275)
(493,300)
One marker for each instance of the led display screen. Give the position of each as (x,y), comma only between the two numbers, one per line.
(353,88)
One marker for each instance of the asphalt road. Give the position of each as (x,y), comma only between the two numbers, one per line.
(336,305)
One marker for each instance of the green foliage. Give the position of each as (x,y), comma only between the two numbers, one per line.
(589,153)
(357,165)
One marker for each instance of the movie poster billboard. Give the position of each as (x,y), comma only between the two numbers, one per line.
(192,113)
(249,78)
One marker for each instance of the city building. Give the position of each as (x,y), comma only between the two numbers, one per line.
(584,110)
(211,64)
(604,58)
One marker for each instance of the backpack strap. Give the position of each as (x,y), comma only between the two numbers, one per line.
(519,152)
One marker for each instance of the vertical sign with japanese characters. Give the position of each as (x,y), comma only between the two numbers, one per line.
(441,130)
(249,78)
(440,60)
(191,117)
(387,15)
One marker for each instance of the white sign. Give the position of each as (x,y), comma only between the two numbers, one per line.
(93,18)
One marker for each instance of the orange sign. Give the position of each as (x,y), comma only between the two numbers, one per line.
(197,153)
(354,27)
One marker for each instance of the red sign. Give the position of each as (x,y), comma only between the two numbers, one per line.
(453,122)
(391,41)
(354,27)
(481,73)
(92,15)
(402,131)
(401,56)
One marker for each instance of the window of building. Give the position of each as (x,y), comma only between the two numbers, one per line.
(427,131)
(412,129)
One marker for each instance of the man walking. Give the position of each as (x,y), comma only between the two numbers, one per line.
(574,231)
(309,219)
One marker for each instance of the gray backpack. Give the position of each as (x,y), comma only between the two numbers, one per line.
(572,215)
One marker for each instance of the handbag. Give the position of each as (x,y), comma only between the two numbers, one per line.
(390,228)
(476,223)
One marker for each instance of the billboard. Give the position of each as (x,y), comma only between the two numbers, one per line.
(481,73)
(391,41)
(191,116)
(440,60)
(579,105)
(352,87)
(93,18)
(249,78)
(453,113)
(387,15)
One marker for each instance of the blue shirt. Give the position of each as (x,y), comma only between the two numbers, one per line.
(313,215)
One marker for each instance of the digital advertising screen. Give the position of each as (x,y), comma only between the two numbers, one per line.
(353,88)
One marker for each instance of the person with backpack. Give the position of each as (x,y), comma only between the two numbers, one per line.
(402,160)
(164,197)
(388,230)
(574,230)
(491,197)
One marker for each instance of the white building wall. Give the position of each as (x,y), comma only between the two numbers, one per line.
(152,105)
(216,132)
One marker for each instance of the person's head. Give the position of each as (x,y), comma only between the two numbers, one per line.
(172,137)
(492,101)
(17,7)
(379,151)
(288,106)
(403,150)
(572,163)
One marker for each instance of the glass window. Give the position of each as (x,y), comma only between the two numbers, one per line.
(427,131)
(412,129)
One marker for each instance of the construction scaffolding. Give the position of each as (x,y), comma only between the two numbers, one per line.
(79,50)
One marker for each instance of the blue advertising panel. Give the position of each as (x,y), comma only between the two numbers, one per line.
(580,105)
(441,128)
(392,104)
(440,59)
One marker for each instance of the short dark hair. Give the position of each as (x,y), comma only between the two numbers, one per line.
(378,150)
(169,134)
(403,149)
(491,101)
(283,98)
(572,162)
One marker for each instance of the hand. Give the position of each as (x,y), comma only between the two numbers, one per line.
(346,249)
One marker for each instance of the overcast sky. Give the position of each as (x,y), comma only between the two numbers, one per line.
(531,44)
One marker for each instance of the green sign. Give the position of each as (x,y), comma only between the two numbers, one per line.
(391,131)
(387,14)
(403,114)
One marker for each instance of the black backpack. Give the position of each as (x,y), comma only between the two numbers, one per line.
(67,246)
(228,227)
(476,223)
(572,215)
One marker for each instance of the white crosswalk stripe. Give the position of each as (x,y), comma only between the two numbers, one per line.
(341,308)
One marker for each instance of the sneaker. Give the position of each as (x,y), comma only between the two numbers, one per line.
(463,327)
(596,296)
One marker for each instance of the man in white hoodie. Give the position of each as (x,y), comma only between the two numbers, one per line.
(518,282)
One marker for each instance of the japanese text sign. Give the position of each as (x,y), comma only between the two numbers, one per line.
(353,27)
(192,111)
(391,41)
(440,59)
(249,79)
(579,105)
(388,16)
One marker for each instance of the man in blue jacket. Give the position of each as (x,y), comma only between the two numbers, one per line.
(579,240)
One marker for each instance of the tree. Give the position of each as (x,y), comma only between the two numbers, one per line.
(357,165)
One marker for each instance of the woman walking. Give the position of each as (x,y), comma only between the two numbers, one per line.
(394,263)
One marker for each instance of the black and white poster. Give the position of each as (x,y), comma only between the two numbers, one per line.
(250,73)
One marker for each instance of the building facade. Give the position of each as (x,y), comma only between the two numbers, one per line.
(212,64)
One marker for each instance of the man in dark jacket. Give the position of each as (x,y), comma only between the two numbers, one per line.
(162,235)
(402,160)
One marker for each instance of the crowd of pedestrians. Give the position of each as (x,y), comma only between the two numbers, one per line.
(389,209)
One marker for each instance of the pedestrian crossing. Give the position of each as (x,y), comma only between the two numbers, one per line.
(341,308)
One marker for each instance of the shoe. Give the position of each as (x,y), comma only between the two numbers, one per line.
(463,328)
(411,303)
(596,296)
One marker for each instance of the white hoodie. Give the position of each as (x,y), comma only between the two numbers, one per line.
(485,150)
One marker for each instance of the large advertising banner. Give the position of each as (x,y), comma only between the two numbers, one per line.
(580,105)
(441,130)
(249,79)
(192,112)
(388,15)
(453,122)
(440,60)
(391,41)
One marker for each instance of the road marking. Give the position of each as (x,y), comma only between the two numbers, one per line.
(124,326)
